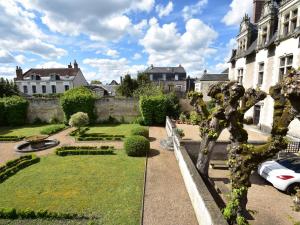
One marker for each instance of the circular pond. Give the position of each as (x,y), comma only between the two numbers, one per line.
(36,143)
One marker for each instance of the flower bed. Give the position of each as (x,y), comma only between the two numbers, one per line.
(84,150)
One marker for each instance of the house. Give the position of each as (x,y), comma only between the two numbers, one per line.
(268,46)
(168,78)
(202,84)
(98,90)
(49,80)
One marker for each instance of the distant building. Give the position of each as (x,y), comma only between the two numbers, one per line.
(268,46)
(98,90)
(168,78)
(49,80)
(202,84)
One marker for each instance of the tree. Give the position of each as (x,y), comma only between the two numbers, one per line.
(8,88)
(79,120)
(127,86)
(143,79)
(96,82)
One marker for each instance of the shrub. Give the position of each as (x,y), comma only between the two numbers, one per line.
(139,120)
(195,118)
(78,100)
(53,129)
(79,120)
(84,150)
(248,120)
(136,145)
(180,132)
(11,138)
(142,131)
(15,110)
(173,107)
(153,109)
(2,107)
(182,117)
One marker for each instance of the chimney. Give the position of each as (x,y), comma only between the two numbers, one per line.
(205,71)
(19,73)
(151,66)
(75,65)
(70,66)
(257,9)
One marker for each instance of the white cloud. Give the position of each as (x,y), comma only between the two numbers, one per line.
(6,57)
(51,64)
(137,56)
(100,20)
(109,69)
(7,72)
(20,59)
(238,8)
(164,10)
(167,47)
(112,53)
(190,11)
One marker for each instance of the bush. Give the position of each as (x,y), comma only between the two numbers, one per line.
(153,109)
(173,107)
(142,131)
(136,145)
(139,120)
(182,117)
(195,118)
(78,100)
(79,120)
(53,129)
(11,138)
(13,166)
(15,110)
(2,108)
(84,150)
(248,120)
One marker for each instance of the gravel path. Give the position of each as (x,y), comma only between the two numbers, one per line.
(166,199)
(7,150)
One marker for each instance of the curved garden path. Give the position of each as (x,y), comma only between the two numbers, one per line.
(7,149)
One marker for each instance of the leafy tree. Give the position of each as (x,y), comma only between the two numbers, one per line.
(143,79)
(147,89)
(96,82)
(79,120)
(127,87)
(8,88)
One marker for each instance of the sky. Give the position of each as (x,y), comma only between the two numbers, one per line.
(112,38)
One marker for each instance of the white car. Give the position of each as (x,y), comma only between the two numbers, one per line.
(283,174)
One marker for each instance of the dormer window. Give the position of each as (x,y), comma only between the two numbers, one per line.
(54,77)
(294,20)
(35,77)
(264,36)
(290,22)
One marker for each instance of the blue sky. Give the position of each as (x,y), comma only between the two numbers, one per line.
(111,38)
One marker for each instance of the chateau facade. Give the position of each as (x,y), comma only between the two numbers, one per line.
(268,46)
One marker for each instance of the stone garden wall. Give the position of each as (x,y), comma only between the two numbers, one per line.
(123,109)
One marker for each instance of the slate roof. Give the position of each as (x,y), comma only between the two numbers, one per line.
(214,77)
(165,70)
(272,40)
(47,72)
(251,49)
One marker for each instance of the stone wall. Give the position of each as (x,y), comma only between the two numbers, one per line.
(123,109)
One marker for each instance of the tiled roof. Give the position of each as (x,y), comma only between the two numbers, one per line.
(214,77)
(48,72)
(165,70)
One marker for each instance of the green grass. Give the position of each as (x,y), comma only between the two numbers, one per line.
(24,130)
(120,129)
(109,187)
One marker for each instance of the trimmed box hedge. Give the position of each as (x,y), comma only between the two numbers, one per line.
(11,138)
(142,131)
(136,145)
(84,150)
(13,166)
(53,129)
(12,213)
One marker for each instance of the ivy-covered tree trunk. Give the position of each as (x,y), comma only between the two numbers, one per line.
(245,158)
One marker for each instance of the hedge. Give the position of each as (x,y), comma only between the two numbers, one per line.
(84,150)
(53,129)
(2,107)
(142,131)
(76,100)
(13,166)
(14,110)
(136,145)
(87,138)
(11,138)
(12,213)
(153,109)
(76,132)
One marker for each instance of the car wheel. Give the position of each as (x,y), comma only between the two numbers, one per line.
(292,188)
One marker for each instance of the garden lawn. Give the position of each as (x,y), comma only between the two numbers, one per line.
(107,186)
(24,130)
(120,129)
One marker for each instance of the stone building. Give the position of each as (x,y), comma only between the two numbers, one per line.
(168,78)
(50,80)
(202,84)
(268,46)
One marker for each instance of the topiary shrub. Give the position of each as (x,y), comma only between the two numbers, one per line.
(79,120)
(78,100)
(153,109)
(136,145)
(142,131)
(15,110)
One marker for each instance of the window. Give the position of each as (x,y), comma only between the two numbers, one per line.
(44,90)
(67,87)
(53,87)
(285,65)
(290,22)
(264,36)
(33,89)
(25,89)
(294,20)
(176,76)
(240,76)
(178,88)
(261,67)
